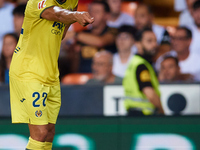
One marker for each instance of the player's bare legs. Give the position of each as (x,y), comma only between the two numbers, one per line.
(42,135)
(51,132)
(38,132)
(50,136)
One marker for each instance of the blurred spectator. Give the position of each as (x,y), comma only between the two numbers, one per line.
(68,60)
(6,20)
(124,42)
(162,49)
(9,43)
(18,14)
(158,61)
(22,1)
(144,19)
(99,37)
(140,81)
(180,5)
(170,71)
(195,28)
(102,70)
(185,17)
(116,17)
(188,61)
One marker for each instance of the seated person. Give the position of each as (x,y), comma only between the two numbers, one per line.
(98,36)
(6,19)
(170,71)
(185,17)
(180,44)
(116,17)
(18,16)
(195,28)
(124,42)
(102,70)
(9,43)
(144,19)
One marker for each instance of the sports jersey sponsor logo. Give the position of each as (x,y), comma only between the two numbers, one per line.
(56,32)
(41,4)
(57,28)
(38,113)
(58,25)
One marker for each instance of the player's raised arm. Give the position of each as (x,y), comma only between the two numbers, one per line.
(56,13)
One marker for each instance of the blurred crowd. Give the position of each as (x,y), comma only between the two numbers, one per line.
(105,48)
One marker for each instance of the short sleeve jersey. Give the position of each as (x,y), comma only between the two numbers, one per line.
(36,55)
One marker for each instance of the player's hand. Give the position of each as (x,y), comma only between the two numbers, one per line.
(83,18)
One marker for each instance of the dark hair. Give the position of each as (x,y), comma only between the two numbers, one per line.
(187,31)
(105,5)
(171,57)
(14,35)
(19,10)
(3,59)
(196,5)
(128,29)
(139,34)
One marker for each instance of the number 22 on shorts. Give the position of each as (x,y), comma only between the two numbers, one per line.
(37,97)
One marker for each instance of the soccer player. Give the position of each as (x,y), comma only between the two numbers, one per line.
(34,83)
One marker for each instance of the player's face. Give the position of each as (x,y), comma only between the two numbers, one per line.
(169,69)
(196,16)
(149,43)
(101,67)
(142,17)
(18,21)
(179,41)
(124,42)
(97,11)
(115,6)
(9,44)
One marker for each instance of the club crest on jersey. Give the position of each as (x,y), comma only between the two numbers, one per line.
(38,113)
(41,4)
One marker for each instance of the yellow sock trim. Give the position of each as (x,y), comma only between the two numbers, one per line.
(48,146)
(35,145)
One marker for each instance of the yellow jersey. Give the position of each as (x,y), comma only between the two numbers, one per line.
(36,55)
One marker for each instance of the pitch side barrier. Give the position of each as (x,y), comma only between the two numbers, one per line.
(85,100)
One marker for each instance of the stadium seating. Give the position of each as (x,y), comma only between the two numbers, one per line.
(76,78)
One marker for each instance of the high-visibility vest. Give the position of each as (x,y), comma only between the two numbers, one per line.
(134,97)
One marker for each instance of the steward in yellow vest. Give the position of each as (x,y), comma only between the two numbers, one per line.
(140,82)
